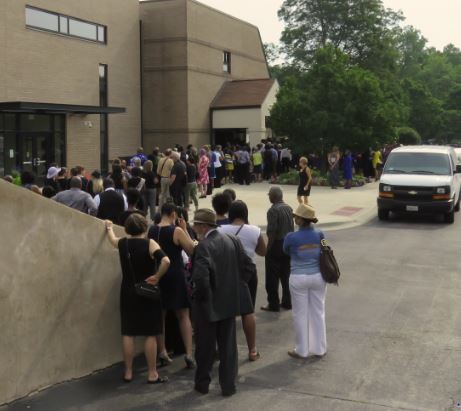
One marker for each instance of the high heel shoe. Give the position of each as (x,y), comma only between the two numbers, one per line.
(164,359)
(190,363)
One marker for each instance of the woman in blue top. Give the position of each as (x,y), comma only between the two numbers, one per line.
(307,287)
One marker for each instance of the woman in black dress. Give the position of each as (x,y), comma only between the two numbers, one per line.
(305,181)
(173,240)
(140,316)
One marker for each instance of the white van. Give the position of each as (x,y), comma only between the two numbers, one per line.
(420,179)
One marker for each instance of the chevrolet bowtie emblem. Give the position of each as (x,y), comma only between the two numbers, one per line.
(413,193)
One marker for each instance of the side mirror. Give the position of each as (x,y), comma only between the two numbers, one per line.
(458,168)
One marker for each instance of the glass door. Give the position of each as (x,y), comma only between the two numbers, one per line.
(35,155)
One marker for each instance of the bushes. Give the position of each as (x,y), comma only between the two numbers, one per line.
(318,179)
(408,136)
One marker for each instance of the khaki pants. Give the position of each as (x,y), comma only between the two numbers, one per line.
(164,191)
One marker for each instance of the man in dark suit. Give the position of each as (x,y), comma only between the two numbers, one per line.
(216,275)
(110,203)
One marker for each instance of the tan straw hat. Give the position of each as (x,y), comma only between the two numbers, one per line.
(305,211)
(205,216)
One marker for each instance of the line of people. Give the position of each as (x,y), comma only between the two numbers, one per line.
(207,274)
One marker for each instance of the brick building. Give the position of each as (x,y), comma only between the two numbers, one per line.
(82,82)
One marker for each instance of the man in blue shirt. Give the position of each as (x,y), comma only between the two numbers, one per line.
(140,154)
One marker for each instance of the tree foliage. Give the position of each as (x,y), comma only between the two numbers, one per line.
(355,77)
(408,136)
(334,103)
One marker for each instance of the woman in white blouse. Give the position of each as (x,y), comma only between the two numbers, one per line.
(253,243)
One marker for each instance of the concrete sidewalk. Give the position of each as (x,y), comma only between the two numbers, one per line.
(336,209)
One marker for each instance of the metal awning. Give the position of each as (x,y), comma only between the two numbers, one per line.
(51,108)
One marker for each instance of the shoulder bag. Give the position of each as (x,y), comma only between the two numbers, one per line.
(328,264)
(143,288)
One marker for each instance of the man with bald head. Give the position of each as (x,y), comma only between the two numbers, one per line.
(178,179)
(76,198)
(279,224)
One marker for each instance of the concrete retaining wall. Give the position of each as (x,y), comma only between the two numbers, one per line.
(59,290)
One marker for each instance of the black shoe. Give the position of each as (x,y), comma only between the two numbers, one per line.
(201,390)
(286,306)
(228,393)
(269,308)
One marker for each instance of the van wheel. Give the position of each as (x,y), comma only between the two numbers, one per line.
(457,204)
(383,214)
(449,217)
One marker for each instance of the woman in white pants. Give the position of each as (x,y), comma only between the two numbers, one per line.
(307,286)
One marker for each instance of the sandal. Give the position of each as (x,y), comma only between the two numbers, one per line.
(254,355)
(294,354)
(190,364)
(159,380)
(164,359)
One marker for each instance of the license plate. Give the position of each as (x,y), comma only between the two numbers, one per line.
(412,208)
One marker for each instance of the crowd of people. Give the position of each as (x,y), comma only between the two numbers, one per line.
(206,270)
(207,275)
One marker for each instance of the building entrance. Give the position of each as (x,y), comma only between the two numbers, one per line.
(31,142)
(35,153)
(229,136)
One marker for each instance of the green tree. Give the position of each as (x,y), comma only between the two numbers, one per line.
(425,110)
(359,28)
(334,103)
(408,136)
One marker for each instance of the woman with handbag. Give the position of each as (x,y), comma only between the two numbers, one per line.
(140,315)
(307,286)
(253,243)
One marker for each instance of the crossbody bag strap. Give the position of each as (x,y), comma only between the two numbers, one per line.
(163,165)
(240,229)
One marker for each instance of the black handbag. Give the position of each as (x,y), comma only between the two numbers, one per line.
(328,264)
(143,288)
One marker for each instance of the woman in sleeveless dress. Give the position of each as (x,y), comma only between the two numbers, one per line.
(305,181)
(253,243)
(140,316)
(173,240)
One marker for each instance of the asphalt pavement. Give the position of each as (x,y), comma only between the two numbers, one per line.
(393,329)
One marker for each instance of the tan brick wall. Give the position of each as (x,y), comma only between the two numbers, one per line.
(3,60)
(164,73)
(83,141)
(182,67)
(45,67)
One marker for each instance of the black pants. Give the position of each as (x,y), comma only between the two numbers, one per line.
(244,174)
(207,335)
(176,192)
(277,270)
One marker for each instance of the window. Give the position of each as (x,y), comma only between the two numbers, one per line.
(226,62)
(104,123)
(82,29)
(66,25)
(41,19)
